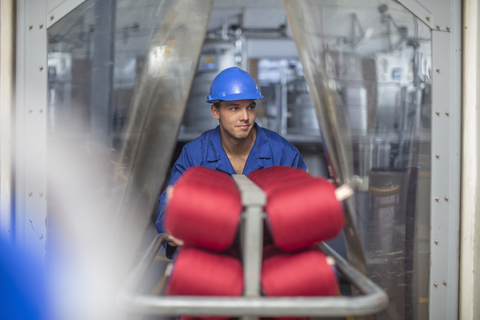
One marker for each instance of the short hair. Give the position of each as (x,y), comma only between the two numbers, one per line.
(217,103)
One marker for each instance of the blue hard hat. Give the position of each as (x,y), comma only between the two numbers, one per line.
(233,84)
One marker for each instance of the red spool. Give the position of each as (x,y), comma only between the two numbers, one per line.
(205,209)
(301,274)
(301,210)
(198,272)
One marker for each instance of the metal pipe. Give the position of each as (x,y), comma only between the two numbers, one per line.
(253,200)
(373,300)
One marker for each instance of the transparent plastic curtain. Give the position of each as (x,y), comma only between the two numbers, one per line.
(157,108)
(120,73)
(368,69)
(305,21)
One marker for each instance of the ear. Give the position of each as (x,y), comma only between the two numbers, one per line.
(215,112)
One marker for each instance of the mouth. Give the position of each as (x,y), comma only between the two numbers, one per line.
(243,126)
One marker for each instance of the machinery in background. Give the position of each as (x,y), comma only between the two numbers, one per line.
(222,49)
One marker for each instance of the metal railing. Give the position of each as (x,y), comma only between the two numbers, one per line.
(252,305)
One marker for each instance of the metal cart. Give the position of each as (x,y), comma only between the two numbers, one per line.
(252,305)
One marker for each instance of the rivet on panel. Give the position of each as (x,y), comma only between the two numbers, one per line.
(437,155)
(438,26)
(435,284)
(30,193)
(41,110)
(40,194)
(437,69)
(436,241)
(436,199)
(41,68)
(437,112)
(30,110)
(52,17)
(428,18)
(30,27)
(444,283)
(40,236)
(40,26)
(447,113)
(448,28)
(446,198)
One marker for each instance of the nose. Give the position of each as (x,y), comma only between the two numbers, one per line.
(244,115)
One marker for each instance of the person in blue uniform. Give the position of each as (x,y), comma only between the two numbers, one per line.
(237,145)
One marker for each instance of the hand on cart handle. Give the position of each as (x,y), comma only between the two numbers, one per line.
(174,242)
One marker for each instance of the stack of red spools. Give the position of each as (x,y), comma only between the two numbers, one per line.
(205,212)
(301,211)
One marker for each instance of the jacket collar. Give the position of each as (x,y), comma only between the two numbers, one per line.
(260,150)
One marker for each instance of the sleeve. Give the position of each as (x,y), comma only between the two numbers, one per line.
(298,161)
(292,156)
(183,162)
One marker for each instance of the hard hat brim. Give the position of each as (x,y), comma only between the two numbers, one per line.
(233,97)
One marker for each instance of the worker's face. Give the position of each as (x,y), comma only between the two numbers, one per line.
(236,118)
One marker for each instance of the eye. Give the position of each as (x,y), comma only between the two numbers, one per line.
(251,107)
(234,108)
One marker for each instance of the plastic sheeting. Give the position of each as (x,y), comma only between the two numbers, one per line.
(369,74)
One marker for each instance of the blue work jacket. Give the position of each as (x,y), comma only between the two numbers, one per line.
(269,149)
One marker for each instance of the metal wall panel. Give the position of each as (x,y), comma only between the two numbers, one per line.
(445,182)
(445,21)
(446,143)
(31,120)
(444,17)
(437,14)
(57,9)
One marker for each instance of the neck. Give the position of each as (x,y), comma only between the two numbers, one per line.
(238,147)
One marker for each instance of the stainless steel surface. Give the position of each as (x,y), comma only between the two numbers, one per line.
(253,200)
(372,300)
(251,194)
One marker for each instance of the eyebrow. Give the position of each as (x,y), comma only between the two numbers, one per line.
(236,104)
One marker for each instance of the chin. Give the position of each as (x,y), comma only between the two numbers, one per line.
(241,136)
